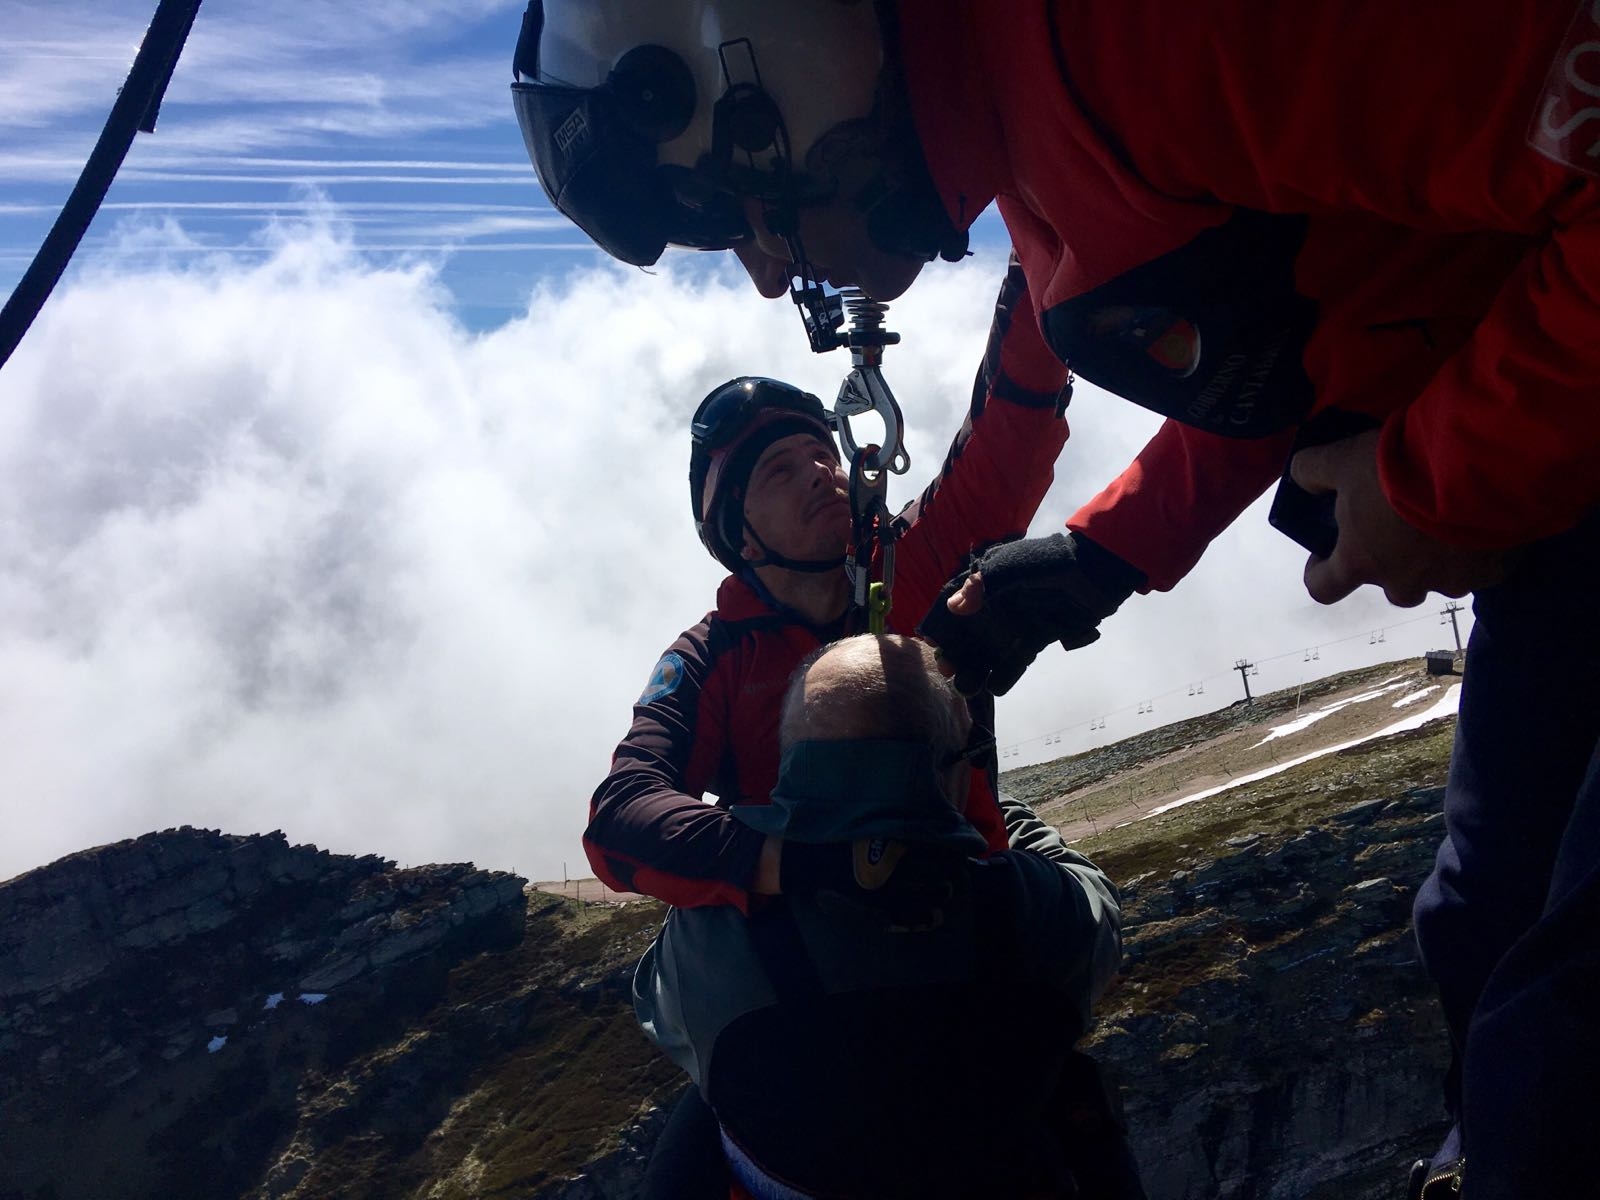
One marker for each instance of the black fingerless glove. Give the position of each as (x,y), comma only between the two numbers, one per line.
(1035,591)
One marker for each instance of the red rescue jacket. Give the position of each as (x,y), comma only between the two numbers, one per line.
(1418,181)
(708,719)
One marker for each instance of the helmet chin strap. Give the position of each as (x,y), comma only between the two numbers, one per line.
(771,558)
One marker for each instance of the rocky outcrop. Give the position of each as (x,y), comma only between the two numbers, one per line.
(619,1174)
(67,925)
(141,976)
(1273,1030)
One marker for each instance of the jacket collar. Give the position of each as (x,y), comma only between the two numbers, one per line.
(743,597)
(738,599)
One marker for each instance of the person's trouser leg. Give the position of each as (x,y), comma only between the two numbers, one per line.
(687,1161)
(1524,736)
(1094,1133)
(1531,1071)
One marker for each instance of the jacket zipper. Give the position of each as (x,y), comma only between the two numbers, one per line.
(1450,1174)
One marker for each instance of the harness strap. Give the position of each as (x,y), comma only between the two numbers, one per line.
(873,535)
(794,976)
(753,1178)
(783,954)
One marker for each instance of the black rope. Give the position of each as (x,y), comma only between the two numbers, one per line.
(134,111)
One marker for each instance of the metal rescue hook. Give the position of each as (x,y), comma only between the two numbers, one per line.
(865,390)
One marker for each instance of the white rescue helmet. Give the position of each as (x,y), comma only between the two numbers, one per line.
(650,122)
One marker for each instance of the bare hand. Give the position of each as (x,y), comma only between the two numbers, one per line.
(969,599)
(769,868)
(1376,545)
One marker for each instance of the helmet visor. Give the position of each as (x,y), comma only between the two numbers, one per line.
(727,413)
(604,177)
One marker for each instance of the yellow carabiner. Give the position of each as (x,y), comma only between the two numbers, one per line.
(877,609)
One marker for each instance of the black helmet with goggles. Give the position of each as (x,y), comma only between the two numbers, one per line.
(731,429)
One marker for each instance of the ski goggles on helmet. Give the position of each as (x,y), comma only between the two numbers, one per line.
(731,411)
(603,176)
(730,429)
(595,150)
(598,150)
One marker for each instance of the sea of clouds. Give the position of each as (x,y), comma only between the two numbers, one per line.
(285,545)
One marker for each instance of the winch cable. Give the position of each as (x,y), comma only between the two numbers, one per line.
(873,530)
(134,112)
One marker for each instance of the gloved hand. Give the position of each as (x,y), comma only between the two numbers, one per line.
(1035,591)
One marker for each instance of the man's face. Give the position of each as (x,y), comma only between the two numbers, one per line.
(841,253)
(798,500)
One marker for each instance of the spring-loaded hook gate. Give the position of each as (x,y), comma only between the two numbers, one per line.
(864,390)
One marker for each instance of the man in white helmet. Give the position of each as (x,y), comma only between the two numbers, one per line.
(1367,232)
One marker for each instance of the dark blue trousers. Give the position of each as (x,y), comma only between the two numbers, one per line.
(1509,921)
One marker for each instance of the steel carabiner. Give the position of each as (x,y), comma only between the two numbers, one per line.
(864,390)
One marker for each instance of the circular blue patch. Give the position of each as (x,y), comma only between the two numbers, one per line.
(664,680)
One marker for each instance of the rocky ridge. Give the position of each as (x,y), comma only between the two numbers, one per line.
(191,1014)
(1273,1030)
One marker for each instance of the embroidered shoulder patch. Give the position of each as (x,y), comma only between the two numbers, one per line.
(1566,127)
(664,680)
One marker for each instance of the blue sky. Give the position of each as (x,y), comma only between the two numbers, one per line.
(394,112)
(342,485)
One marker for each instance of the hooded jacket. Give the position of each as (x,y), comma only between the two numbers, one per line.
(1388,210)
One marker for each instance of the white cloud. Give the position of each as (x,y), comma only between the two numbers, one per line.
(304,74)
(146,175)
(286,546)
(61,59)
(343,164)
(490,225)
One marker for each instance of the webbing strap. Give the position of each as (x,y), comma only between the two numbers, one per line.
(753,1179)
(794,976)
(783,954)
(873,535)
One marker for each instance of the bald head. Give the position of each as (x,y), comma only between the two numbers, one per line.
(875,687)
